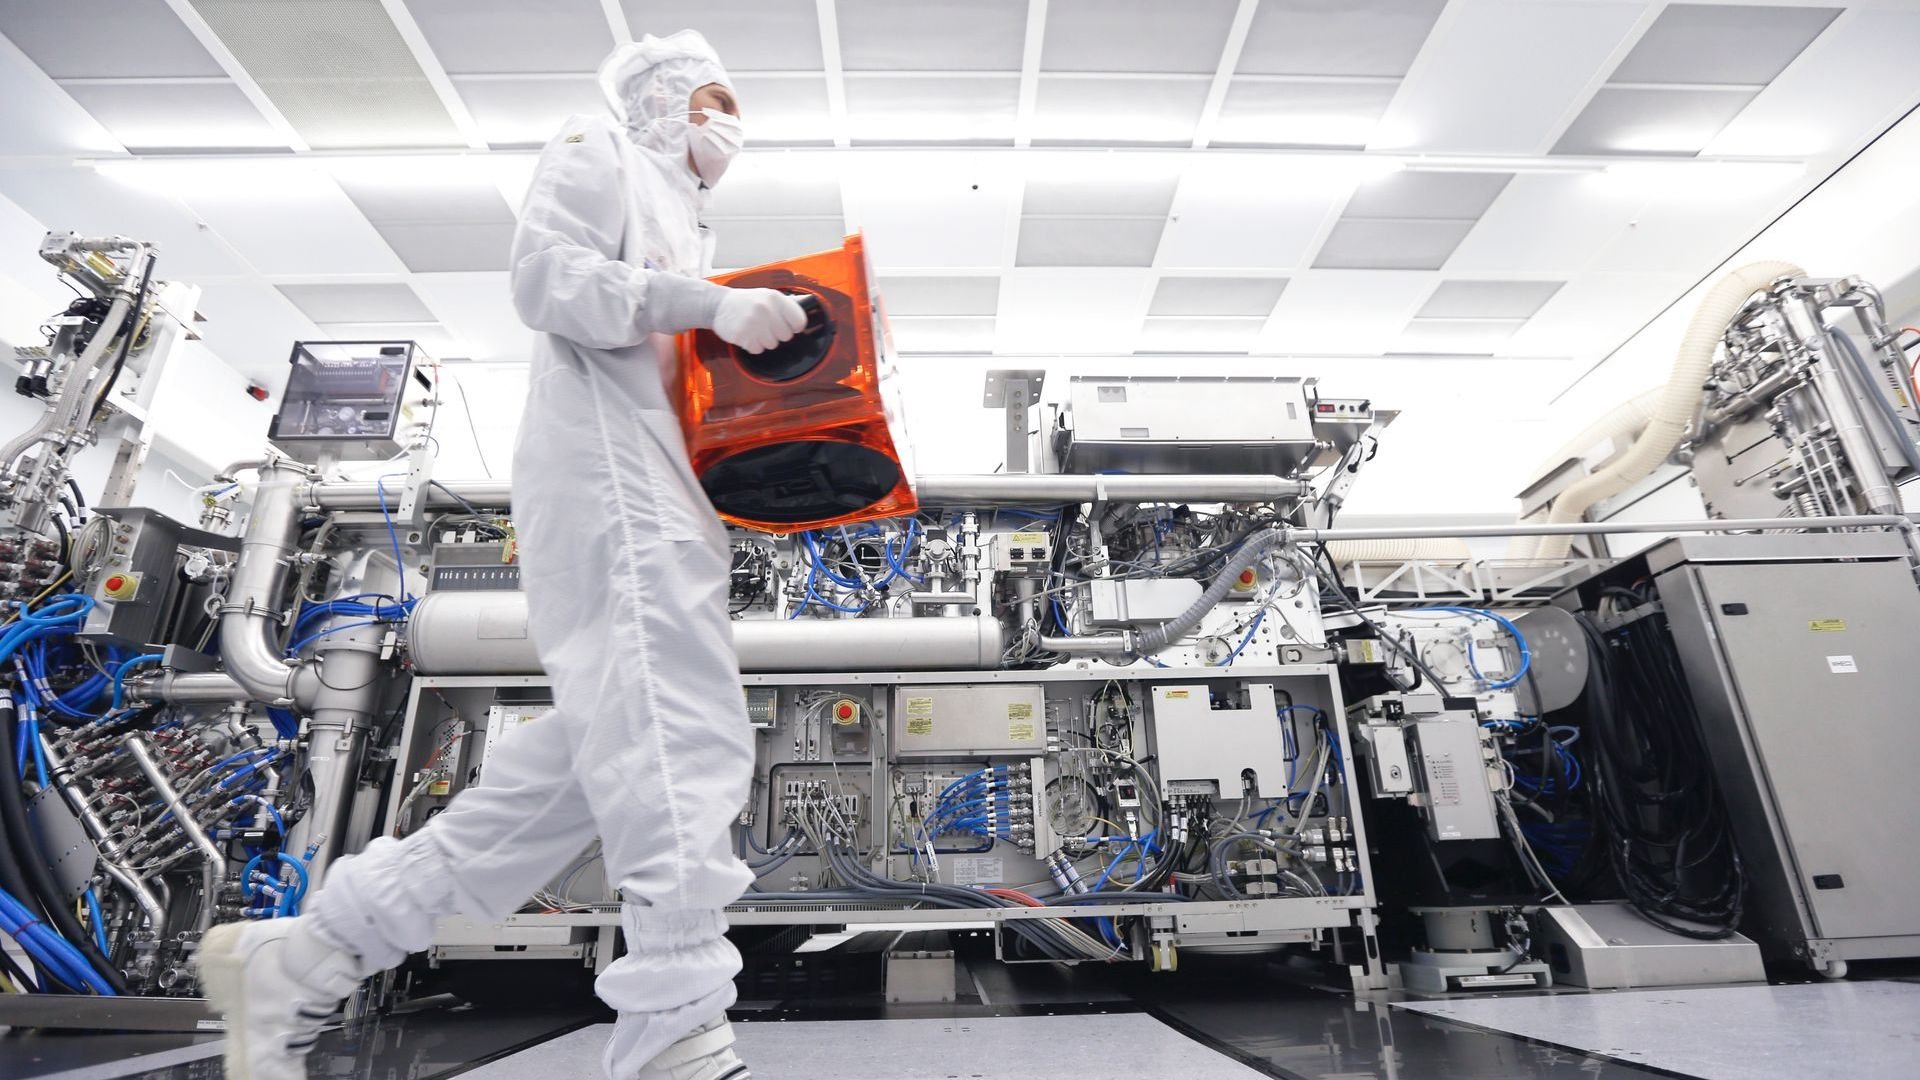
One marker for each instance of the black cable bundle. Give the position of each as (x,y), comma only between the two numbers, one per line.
(1667,832)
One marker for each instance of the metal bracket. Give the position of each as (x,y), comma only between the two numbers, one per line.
(1017,391)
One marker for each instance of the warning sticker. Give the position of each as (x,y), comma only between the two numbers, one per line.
(920,706)
(1177,695)
(1020,731)
(1020,710)
(1827,626)
(1842,665)
(979,870)
(919,725)
(1028,538)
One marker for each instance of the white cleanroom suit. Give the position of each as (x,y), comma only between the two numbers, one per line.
(625,567)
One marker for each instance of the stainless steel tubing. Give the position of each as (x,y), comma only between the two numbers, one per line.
(491,494)
(248,619)
(187,688)
(1051,488)
(112,856)
(143,757)
(1098,643)
(999,488)
(475,633)
(1598,528)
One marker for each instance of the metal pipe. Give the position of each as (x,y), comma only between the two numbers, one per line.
(1098,643)
(1005,488)
(187,688)
(997,488)
(142,755)
(943,598)
(112,856)
(248,651)
(461,633)
(1598,528)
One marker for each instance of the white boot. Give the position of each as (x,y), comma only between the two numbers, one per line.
(707,1054)
(277,983)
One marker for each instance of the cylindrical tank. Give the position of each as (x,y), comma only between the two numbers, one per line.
(485,633)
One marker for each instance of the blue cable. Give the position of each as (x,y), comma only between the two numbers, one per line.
(99,921)
(120,675)
(1526,655)
(399,564)
(1251,628)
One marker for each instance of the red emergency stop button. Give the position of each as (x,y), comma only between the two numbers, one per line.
(116,583)
(120,586)
(1246,576)
(845,711)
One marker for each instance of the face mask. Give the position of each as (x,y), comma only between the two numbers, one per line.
(714,143)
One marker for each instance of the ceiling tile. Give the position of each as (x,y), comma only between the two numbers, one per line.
(1455,335)
(1142,192)
(1216,296)
(105,39)
(478,310)
(1461,99)
(1346,37)
(927,210)
(1248,214)
(285,219)
(339,72)
(1071,311)
(1199,335)
(932,35)
(103,204)
(1088,241)
(749,35)
(1488,299)
(428,247)
(1428,195)
(1344,312)
(1865,60)
(784,109)
(1257,113)
(1136,35)
(443,198)
(754,243)
(431,337)
(940,295)
(178,116)
(527,112)
(1370,244)
(942,335)
(909,109)
(1628,120)
(1722,43)
(384,302)
(487,36)
(1070,110)
(1548,223)
(757,186)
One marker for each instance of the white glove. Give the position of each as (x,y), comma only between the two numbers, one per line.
(758,319)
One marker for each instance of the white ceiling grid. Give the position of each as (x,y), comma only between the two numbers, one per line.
(1505,109)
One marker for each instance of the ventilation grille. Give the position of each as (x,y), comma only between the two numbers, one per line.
(336,69)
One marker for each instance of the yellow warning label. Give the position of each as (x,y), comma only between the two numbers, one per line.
(1020,710)
(439,787)
(1020,731)
(920,725)
(1178,695)
(1827,626)
(920,706)
(1028,538)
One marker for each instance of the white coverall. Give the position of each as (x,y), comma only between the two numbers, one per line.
(625,567)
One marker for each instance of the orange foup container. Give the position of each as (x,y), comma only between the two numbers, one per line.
(807,434)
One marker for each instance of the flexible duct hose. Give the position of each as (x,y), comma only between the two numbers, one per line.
(1677,402)
(1154,638)
(1625,421)
(1348,552)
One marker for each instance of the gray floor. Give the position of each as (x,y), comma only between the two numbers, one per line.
(1096,1047)
(1822,1031)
